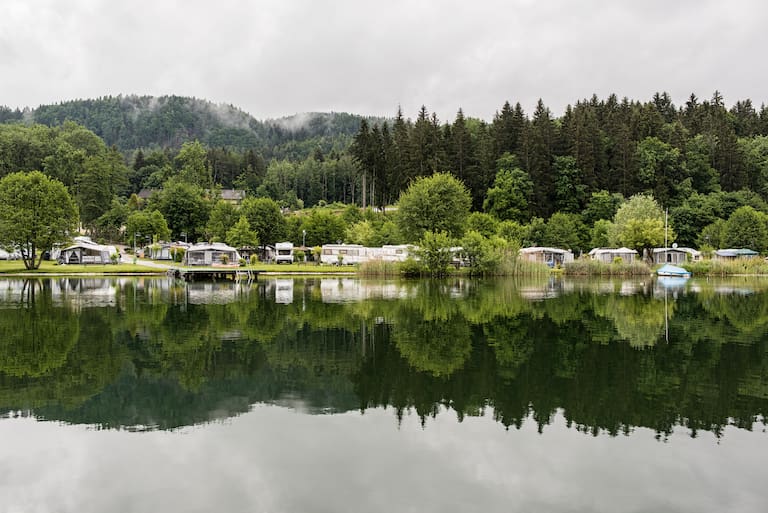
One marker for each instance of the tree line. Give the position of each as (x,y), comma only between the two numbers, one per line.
(702,162)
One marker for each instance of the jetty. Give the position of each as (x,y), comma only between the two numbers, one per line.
(212,274)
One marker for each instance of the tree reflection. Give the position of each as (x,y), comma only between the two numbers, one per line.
(147,357)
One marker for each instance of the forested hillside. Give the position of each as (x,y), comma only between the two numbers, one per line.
(146,122)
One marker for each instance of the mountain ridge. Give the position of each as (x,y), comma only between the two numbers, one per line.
(132,122)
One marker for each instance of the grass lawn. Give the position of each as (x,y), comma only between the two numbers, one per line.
(17,266)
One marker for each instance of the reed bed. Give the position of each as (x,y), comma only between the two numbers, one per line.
(588,267)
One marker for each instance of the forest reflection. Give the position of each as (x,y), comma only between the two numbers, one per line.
(141,353)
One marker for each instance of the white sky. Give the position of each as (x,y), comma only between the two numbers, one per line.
(279,57)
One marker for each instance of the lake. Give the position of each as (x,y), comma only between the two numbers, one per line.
(336,394)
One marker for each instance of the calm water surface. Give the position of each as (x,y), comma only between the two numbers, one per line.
(336,395)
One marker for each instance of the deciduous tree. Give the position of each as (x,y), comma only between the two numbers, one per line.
(36,212)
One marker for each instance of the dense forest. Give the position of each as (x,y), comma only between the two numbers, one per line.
(702,161)
(166,122)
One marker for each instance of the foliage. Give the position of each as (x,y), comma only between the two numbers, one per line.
(508,198)
(746,228)
(485,224)
(193,165)
(566,231)
(266,219)
(639,225)
(435,252)
(487,255)
(184,208)
(223,217)
(323,227)
(241,235)
(438,203)
(36,213)
(143,224)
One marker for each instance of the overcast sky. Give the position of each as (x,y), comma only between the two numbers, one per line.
(279,57)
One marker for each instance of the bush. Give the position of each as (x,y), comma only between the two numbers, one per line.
(241,262)
(254,259)
(300,255)
(410,268)
(225,259)
(177,254)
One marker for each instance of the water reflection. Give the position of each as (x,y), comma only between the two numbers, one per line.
(609,356)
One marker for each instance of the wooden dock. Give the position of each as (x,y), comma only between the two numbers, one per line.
(213,274)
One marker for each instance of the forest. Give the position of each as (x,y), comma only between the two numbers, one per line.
(701,161)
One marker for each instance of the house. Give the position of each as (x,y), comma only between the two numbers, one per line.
(609,255)
(145,194)
(674,255)
(215,254)
(85,251)
(733,254)
(550,256)
(232,196)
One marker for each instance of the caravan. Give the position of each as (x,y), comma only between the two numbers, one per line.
(284,253)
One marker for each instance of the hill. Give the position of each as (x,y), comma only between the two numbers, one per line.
(132,122)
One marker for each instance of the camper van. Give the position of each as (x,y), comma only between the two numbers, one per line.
(284,253)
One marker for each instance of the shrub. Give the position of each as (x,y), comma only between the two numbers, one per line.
(225,259)
(410,268)
(241,262)
(254,259)
(300,255)
(177,254)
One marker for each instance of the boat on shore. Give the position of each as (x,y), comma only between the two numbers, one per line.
(673,271)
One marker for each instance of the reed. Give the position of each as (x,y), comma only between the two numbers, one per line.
(378,268)
(588,267)
(728,267)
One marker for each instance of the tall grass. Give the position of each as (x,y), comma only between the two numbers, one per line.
(728,267)
(379,268)
(520,267)
(589,267)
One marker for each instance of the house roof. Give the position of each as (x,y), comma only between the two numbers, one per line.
(735,252)
(541,249)
(92,246)
(214,246)
(146,193)
(232,194)
(602,251)
(690,251)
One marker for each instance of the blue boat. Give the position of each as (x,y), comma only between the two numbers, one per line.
(673,271)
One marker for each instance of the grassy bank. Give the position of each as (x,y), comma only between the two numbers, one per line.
(17,267)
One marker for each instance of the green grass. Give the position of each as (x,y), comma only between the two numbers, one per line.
(17,266)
